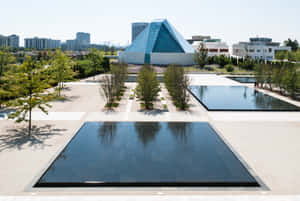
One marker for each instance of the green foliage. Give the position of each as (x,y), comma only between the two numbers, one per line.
(5,60)
(201,57)
(293,44)
(106,64)
(148,86)
(29,81)
(229,68)
(83,68)
(290,56)
(247,64)
(62,69)
(223,61)
(281,75)
(177,84)
(119,72)
(96,58)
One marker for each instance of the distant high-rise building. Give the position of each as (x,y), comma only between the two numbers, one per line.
(41,43)
(82,42)
(13,41)
(9,41)
(83,38)
(137,28)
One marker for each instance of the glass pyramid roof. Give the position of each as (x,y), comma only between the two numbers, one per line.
(160,36)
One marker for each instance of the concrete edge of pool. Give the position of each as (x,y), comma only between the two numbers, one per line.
(33,187)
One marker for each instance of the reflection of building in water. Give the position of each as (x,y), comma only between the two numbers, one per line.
(147,131)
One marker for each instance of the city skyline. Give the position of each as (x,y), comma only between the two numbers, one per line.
(231,21)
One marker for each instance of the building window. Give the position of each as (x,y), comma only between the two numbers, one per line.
(258,50)
(270,50)
(213,50)
(224,50)
(251,50)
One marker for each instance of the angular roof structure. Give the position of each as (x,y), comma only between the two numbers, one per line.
(160,37)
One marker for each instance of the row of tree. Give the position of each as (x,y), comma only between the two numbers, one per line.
(281,76)
(290,56)
(177,84)
(25,86)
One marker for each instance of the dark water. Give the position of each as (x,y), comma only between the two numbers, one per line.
(238,98)
(133,78)
(150,153)
(243,79)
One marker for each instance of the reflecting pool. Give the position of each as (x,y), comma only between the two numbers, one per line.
(146,154)
(236,98)
(243,79)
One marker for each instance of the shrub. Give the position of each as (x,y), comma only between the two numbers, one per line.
(229,68)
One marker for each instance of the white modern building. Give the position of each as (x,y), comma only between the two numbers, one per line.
(159,44)
(258,49)
(215,47)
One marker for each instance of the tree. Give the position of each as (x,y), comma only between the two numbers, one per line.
(201,56)
(119,72)
(62,69)
(148,86)
(5,59)
(96,58)
(177,84)
(108,89)
(32,84)
(293,44)
(105,64)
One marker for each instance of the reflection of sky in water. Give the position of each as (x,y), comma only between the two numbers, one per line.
(147,152)
(238,98)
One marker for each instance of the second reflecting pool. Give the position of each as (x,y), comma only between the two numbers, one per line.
(236,98)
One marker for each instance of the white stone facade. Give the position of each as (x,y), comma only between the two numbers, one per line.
(258,49)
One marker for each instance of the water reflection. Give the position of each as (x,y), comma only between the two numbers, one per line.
(238,98)
(201,91)
(245,92)
(107,132)
(180,130)
(147,132)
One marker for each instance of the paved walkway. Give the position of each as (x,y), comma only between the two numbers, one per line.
(267,141)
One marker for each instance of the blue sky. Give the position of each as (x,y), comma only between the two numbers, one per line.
(230,20)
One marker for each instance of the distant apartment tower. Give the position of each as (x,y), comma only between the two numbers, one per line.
(137,28)
(258,48)
(82,42)
(9,41)
(83,38)
(41,43)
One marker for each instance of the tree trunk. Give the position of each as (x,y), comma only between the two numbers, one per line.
(29,122)
(30,108)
